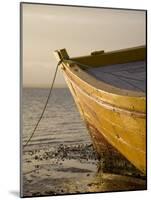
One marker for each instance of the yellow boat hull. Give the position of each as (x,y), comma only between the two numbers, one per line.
(116,119)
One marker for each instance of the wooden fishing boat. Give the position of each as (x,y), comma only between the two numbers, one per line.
(109,89)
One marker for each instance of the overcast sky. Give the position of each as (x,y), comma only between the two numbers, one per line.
(79,30)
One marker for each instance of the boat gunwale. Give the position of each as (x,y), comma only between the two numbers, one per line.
(140,52)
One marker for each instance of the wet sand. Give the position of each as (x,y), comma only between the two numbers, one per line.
(71,169)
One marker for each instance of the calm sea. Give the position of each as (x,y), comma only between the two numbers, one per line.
(61,122)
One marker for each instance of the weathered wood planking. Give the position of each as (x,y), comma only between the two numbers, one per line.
(130,76)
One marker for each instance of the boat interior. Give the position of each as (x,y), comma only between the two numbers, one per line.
(129,76)
(124,69)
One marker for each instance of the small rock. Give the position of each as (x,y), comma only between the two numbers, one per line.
(36,157)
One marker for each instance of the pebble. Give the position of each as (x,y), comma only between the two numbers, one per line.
(36,157)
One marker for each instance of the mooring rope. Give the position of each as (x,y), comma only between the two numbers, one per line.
(47,100)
